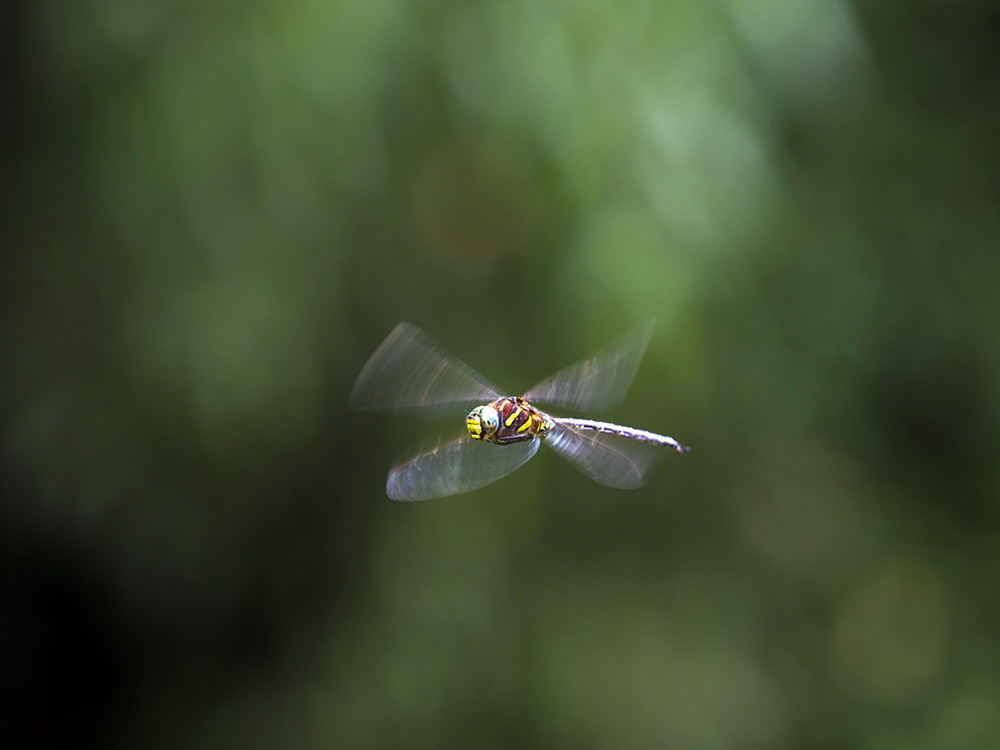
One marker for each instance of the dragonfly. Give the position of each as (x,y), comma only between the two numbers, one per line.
(411,372)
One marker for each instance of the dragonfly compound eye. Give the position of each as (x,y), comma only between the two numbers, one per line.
(490,419)
(482,422)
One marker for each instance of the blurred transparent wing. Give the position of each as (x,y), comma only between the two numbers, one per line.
(410,370)
(608,459)
(460,466)
(599,382)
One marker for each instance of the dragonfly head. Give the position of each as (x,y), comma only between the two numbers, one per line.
(482,422)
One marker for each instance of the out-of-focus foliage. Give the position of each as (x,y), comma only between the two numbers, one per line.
(212,215)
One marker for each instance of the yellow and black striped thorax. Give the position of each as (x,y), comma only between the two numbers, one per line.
(507,420)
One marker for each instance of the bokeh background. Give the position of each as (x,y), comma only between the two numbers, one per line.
(214,213)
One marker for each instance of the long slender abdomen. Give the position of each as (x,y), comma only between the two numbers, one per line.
(626,432)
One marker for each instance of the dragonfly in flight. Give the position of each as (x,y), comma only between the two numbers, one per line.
(411,372)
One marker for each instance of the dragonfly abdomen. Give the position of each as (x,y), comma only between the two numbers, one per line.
(626,432)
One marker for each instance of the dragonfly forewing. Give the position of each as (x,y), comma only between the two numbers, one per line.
(459,466)
(599,382)
(608,459)
(411,371)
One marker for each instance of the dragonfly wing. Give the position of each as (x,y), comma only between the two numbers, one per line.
(599,382)
(608,459)
(410,370)
(459,466)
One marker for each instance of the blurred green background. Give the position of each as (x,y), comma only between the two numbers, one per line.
(214,214)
